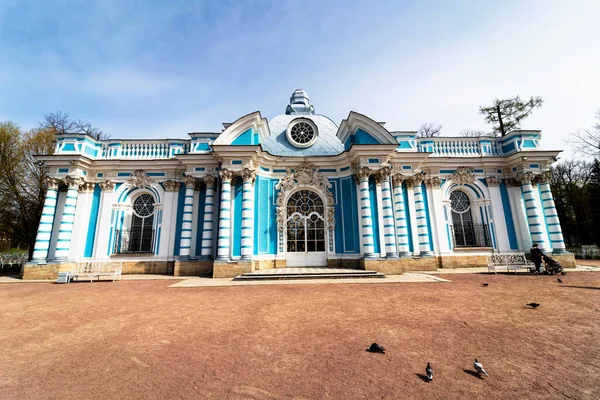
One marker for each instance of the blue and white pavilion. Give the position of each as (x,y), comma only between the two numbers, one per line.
(297,190)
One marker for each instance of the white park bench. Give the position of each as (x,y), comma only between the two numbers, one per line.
(97,269)
(514,261)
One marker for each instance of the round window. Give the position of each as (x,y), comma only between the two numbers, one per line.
(459,201)
(143,206)
(302,132)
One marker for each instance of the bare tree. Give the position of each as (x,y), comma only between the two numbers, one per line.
(60,122)
(477,133)
(506,115)
(430,129)
(588,141)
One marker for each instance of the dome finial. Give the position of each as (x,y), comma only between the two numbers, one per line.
(299,103)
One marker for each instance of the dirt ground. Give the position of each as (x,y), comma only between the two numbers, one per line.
(143,340)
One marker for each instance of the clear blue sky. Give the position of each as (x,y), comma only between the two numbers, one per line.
(164,68)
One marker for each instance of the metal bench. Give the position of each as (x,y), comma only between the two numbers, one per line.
(97,269)
(514,261)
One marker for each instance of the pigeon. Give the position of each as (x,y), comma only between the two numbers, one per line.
(485,284)
(429,372)
(375,348)
(479,368)
(559,280)
(533,305)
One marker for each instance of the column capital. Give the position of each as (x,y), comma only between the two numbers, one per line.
(525,177)
(209,181)
(87,187)
(226,175)
(544,177)
(384,173)
(107,186)
(417,179)
(248,175)
(363,173)
(397,179)
(73,182)
(52,183)
(171,186)
(190,181)
(493,181)
(433,182)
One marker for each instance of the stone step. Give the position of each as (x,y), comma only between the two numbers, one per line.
(254,276)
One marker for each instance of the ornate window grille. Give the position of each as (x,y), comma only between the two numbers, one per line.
(140,237)
(466,233)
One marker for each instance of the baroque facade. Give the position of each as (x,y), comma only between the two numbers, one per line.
(298,190)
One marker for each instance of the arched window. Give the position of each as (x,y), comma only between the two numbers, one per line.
(466,233)
(140,237)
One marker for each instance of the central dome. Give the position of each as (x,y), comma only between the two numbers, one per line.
(300,132)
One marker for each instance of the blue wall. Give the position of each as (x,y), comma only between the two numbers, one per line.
(180,205)
(407,215)
(427,215)
(265,214)
(347,228)
(200,225)
(236,217)
(510,227)
(374,214)
(91,233)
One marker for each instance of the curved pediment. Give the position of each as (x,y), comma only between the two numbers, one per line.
(360,129)
(251,129)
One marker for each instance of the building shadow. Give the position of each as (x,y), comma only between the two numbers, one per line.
(423,377)
(472,373)
(581,287)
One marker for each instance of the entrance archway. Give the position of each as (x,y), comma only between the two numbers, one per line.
(305,230)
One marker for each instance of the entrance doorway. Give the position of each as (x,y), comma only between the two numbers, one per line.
(305,233)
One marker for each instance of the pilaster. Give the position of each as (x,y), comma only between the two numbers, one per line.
(224,236)
(207,224)
(248,177)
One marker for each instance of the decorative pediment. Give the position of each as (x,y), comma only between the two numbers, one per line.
(139,179)
(304,174)
(462,175)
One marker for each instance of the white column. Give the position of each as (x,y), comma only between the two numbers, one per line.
(224,237)
(169,219)
(195,216)
(65,232)
(207,225)
(401,226)
(501,231)
(103,231)
(42,240)
(517,207)
(550,215)
(531,209)
(410,193)
(441,241)
(366,221)
(421,216)
(248,176)
(391,251)
(82,220)
(185,242)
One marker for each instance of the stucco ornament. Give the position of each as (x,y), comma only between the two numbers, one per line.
(209,180)
(171,186)
(305,175)
(52,183)
(493,181)
(139,179)
(462,175)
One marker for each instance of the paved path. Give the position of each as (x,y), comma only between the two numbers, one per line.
(405,278)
